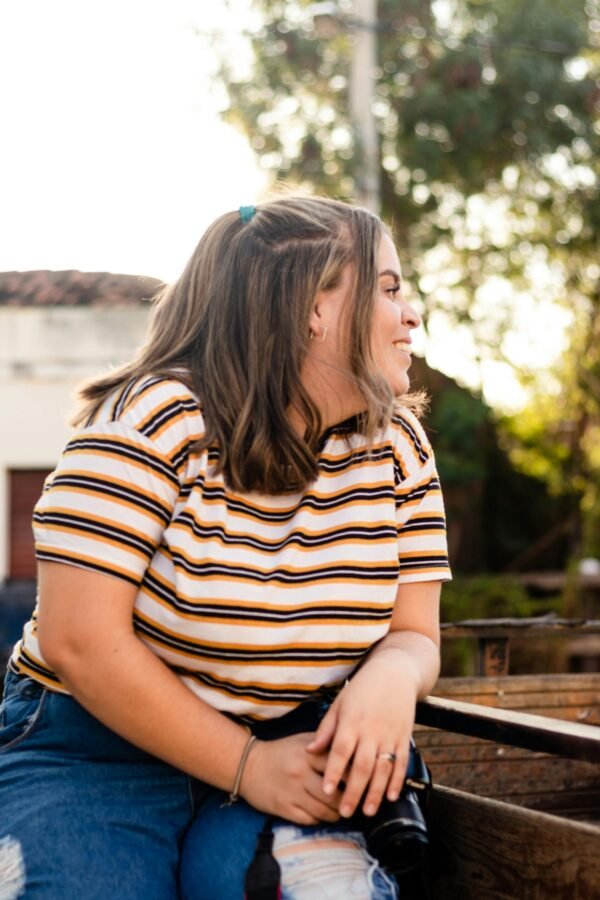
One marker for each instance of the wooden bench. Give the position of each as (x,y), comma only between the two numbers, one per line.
(515,811)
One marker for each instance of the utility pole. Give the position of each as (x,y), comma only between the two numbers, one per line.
(362,82)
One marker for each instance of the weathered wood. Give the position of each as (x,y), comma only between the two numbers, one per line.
(493,656)
(532,627)
(540,733)
(518,776)
(494,851)
(514,774)
(572,697)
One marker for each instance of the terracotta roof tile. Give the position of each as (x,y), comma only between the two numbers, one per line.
(73,288)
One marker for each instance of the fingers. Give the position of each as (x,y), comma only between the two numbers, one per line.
(398,775)
(369,773)
(325,732)
(387,778)
(361,772)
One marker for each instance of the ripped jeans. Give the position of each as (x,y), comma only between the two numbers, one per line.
(85,815)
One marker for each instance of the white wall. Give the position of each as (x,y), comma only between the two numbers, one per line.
(44,353)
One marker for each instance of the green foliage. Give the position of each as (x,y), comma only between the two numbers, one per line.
(492,597)
(488,114)
(488,597)
(456,419)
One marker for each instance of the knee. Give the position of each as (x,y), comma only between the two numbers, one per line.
(329,865)
(12,869)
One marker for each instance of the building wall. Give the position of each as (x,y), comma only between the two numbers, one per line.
(45,352)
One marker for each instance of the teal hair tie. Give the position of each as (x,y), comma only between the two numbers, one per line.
(247,213)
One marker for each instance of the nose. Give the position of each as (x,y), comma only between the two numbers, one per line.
(410,316)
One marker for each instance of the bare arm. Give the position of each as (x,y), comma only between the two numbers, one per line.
(86,635)
(374,714)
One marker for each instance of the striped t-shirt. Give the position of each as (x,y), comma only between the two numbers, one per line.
(254,600)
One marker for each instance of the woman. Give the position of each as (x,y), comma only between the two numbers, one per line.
(242,521)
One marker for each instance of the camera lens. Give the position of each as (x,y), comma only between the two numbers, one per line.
(397,835)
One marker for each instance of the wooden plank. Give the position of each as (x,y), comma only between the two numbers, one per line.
(508,780)
(540,733)
(487,850)
(540,626)
(521,684)
(518,684)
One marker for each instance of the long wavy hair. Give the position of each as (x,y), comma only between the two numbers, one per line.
(235,328)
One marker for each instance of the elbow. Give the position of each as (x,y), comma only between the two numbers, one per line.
(64,654)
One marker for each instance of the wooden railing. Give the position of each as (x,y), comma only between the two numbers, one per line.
(516,729)
(493,636)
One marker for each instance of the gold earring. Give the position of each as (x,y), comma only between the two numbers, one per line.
(323,334)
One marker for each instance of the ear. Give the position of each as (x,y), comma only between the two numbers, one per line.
(315,322)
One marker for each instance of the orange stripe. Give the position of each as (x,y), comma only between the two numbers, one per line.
(97,539)
(271,648)
(89,561)
(199,657)
(107,452)
(263,606)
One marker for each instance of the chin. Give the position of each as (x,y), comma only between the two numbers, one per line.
(400,386)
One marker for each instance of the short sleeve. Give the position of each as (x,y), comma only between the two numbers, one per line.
(420,517)
(108,502)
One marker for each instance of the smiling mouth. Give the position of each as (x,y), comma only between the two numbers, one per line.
(403,345)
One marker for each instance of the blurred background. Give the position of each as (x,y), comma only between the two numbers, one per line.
(473,127)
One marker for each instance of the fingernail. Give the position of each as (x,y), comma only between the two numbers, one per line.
(393,796)
(329,788)
(345,811)
(369,810)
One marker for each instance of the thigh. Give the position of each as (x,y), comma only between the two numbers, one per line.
(85,815)
(328,862)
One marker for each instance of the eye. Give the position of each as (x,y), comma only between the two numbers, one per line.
(394,291)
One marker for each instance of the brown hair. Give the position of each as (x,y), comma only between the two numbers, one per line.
(237,322)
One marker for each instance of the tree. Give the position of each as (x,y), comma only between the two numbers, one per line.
(489,122)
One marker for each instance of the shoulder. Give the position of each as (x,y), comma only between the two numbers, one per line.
(162,409)
(409,443)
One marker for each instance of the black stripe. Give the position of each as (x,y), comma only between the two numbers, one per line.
(423,562)
(295,538)
(36,667)
(84,563)
(234,690)
(170,411)
(114,446)
(437,522)
(219,612)
(122,400)
(359,573)
(356,458)
(267,654)
(411,433)
(89,526)
(98,486)
(419,492)
(356,495)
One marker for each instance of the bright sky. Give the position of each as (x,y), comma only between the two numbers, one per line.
(113,156)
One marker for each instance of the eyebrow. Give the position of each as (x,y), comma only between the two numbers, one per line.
(391,272)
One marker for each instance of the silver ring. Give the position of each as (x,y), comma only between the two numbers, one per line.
(391,757)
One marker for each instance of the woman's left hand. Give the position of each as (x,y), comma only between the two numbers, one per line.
(367,730)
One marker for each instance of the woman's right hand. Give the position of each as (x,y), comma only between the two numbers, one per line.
(281,778)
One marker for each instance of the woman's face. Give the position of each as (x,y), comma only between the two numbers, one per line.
(326,371)
(393,321)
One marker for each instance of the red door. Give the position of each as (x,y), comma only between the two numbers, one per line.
(25,487)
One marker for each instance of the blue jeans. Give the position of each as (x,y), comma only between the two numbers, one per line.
(85,815)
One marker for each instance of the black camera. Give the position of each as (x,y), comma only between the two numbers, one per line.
(397,834)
